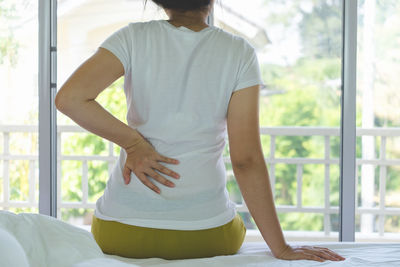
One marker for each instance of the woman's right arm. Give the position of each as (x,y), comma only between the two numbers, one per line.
(252,176)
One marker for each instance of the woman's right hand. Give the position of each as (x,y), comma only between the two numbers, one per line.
(142,159)
(308,253)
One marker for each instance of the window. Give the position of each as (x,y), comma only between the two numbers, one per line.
(19,187)
(378,114)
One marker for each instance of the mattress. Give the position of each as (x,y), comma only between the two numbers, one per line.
(255,254)
(30,239)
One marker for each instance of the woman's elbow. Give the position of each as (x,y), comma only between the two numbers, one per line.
(65,102)
(58,101)
(61,102)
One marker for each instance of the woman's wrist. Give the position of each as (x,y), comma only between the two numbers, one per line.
(133,145)
(278,254)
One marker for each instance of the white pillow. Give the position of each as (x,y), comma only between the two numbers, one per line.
(11,251)
(48,241)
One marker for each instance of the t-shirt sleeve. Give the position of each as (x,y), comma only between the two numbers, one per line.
(249,72)
(120,44)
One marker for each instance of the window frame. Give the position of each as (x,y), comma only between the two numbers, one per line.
(48,121)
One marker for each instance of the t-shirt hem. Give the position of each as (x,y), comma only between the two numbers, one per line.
(246,84)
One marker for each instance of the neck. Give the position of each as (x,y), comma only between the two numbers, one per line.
(187,18)
(179,21)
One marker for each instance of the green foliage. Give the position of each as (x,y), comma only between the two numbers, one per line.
(21,210)
(114,100)
(71,180)
(301,221)
(321,28)
(8,44)
(19,180)
(97,179)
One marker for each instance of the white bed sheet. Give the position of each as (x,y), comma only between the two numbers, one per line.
(255,254)
(49,242)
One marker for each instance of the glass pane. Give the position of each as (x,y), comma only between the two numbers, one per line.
(19,106)
(82,26)
(298,44)
(378,150)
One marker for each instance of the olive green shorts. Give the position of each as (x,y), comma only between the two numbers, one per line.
(131,241)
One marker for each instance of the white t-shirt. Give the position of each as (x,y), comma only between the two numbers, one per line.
(178,84)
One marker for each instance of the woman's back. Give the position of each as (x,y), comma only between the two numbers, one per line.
(178,85)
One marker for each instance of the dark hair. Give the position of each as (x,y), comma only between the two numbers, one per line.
(184,5)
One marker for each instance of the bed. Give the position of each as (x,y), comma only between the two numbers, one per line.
(29,239)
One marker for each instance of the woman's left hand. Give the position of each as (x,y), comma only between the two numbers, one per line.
(142,159)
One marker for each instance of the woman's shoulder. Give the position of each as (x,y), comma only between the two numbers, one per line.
(223,36)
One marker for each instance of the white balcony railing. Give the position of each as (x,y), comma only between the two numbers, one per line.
(327,210)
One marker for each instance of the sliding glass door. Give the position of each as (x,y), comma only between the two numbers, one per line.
(378,121)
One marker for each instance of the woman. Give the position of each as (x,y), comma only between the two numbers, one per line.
(186,83)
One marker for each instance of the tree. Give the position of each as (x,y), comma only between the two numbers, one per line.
(8,45)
